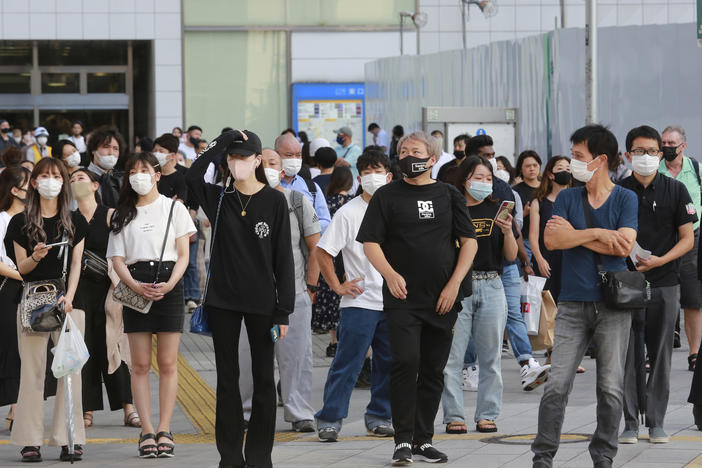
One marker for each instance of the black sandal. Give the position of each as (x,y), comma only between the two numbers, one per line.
(148,450)
(77,453)
(31,454)
(168,449)
(691,361)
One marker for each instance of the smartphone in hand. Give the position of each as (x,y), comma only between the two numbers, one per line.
(505,210)
(275,333)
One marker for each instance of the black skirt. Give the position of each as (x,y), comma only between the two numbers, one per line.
(166,315)
(9,353)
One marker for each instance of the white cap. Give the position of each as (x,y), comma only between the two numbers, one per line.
(40,131)
(318,143)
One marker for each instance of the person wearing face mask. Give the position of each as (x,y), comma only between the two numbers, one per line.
(666,214)
(172,182)
(290,153)
(46,219)
(252,278)
(6,139)
(409,233)
(505,172)
(484,313)
(13,190)
(69,154)
(105,146)
(582,315)
(362,323)
(675,163)
(190,144)
(459,154)
(294,353)
(39,148)
(148,245)
(102,335)
(347,151)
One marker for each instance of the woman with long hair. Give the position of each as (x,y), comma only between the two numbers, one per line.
(66,151)
(547,263)
(251,278)
(91,297)
(13,192)
(484,314)
(325,311)
(149,246)
(46,219)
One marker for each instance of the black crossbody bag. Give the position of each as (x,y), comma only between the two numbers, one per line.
(622,290)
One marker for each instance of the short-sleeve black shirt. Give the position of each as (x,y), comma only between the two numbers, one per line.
(417,227)
(51,266)
(490,239)
(173,185)
(664,206)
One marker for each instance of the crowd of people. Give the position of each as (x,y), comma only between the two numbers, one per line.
(411,258)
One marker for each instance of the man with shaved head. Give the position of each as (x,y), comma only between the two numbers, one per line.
(290,151)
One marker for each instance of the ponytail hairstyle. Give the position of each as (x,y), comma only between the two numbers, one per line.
(126,211)
(12,177)
(34,227)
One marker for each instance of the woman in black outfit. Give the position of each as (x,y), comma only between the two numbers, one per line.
(252,278)
(91,296)
(13,189)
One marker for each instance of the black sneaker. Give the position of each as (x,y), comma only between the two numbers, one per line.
(427,453)
(327,434)
(402,455)
(364,378)
(331,350)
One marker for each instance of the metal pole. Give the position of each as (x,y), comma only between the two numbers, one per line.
(563,14)
(402,48)
(463,23)
(590,61)
(416,28)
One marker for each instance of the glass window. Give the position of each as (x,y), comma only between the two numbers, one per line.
(11,83)
(52,83)
(15,53)
(83,53)
(107,83)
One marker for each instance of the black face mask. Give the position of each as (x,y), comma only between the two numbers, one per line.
(670,152)
(459,154)
(194,141)
(562,178)
(6,130)
(413,167)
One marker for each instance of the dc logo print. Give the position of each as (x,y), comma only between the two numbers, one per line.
(262,230)
(426,209)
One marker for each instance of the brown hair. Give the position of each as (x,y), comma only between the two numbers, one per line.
(34,227)
(11,177)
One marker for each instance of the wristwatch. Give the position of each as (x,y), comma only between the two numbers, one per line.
(312,288)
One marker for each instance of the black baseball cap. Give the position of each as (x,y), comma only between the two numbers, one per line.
(246,147)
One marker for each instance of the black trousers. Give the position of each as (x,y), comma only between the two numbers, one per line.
(91,298)
(226,326)
(420,341)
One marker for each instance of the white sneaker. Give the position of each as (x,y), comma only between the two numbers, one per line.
(534,374)
(191,305)
(470,379)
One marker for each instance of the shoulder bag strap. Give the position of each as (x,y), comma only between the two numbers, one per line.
(588,222)
(165,238)
(214,236)
(64,248)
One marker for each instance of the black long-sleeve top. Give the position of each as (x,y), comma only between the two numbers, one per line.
(251,264)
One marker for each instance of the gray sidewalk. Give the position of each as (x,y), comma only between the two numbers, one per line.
(113,445)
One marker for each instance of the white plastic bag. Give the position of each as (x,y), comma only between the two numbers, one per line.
(70,354)
(531,302)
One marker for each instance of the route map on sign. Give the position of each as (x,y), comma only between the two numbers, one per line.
(319,118)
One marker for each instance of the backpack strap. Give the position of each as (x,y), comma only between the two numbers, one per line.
(696,165)
(298,208)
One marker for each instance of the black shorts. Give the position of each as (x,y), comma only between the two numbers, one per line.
(690,290)
(166,315)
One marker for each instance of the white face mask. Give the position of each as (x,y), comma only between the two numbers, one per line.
(105,162)
(49,188)
(372,182)
(502,175)
(73,160)
(42,140)
(141,183)
(161,157)
(645,165)
(580,172)
(493,163)
(273,176)
(291,166)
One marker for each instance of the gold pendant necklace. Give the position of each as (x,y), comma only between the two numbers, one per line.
(243,207)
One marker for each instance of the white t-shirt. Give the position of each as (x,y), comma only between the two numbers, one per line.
(79,141)
(187,151)
(443,159)
(4,221)
(340,236)
(383,140)
(141,240)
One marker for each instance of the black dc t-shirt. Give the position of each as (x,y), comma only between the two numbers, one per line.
(51,266)
(173,185)
(417,228)
(490,239)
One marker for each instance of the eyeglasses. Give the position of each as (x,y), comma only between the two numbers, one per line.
(641,152)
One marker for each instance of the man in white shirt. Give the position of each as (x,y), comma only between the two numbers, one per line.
(380,137)
(190,146)
(444,158)
(77,136)
(362,321)
(347,151)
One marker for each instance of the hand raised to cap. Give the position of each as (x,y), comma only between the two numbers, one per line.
(222,142)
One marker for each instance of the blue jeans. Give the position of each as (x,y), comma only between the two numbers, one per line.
(358,330)
(483,319)
(191,280)
(516,328)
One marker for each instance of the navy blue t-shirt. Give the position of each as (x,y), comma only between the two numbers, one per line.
(579,279)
